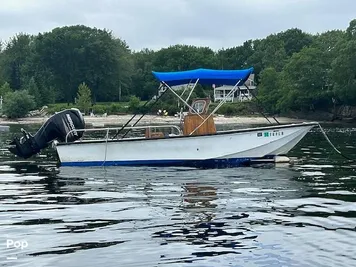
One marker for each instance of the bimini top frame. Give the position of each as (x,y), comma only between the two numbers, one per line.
(204,76)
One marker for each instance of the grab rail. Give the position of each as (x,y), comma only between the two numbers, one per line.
(172,127)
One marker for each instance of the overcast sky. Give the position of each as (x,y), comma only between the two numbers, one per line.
(160,23)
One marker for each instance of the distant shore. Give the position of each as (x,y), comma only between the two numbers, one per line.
(112,120)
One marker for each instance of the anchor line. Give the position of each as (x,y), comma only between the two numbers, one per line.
(321,129)
(333,146)
(106,148)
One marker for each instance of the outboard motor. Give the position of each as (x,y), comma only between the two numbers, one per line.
(55,128)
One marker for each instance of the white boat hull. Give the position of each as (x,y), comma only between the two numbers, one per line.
(229,148)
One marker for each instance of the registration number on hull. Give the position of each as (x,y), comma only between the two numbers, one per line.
(270,133)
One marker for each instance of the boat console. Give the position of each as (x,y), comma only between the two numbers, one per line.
(198,121)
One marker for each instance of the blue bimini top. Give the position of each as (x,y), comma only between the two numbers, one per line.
(205,76)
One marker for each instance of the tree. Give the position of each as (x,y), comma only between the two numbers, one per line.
(344,73)
(328,42)
(16,55)
(295,70)
(351,30)
(33,90)
(306,80)
(184,57)
(295,40)
(235,57)
(144,85)
(84,101)
(268,52)
(2,80)
(125,70)
(78,53)
(17,104)
(269,90)
(4,89)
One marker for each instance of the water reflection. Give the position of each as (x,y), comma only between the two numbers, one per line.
(267,215)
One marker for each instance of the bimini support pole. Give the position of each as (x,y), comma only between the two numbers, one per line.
(133,116)
(233,90)
(181,99)
(248,89)
(185,89)
(191,91)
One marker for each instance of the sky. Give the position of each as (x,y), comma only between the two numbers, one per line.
(155,24)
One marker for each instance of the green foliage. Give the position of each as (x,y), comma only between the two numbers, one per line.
(144,85)
(33,90)
(235,108)
(294,70)
(17,104)
(4,89)
(351,30)
(110,109)
(344,73)
(98,108)
(295,40)
(53,108)
(134,104)
(184,57)
(84,98)
(269,90)
(85,54)
(116,108)
(171,108)
(235,57)
(305,77)
(48,95)
(16,56)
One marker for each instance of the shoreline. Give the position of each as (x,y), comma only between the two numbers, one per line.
(115,120)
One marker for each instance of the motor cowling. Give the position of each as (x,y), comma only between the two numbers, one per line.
(62,126)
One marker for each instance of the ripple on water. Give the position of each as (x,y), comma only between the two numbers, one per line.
(292,215)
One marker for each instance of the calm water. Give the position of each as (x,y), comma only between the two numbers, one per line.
(287,215)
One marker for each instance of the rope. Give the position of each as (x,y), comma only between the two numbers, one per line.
(332,145)
(106,147)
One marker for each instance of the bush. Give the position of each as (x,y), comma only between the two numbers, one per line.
(170,108)
(99,109)
(53,108)
(232,109)
(117,108)
(17,104)
(113,108)
(134,104)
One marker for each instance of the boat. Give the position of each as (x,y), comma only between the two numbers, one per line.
(195,142)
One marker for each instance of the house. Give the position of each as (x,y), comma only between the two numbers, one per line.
(243,94)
